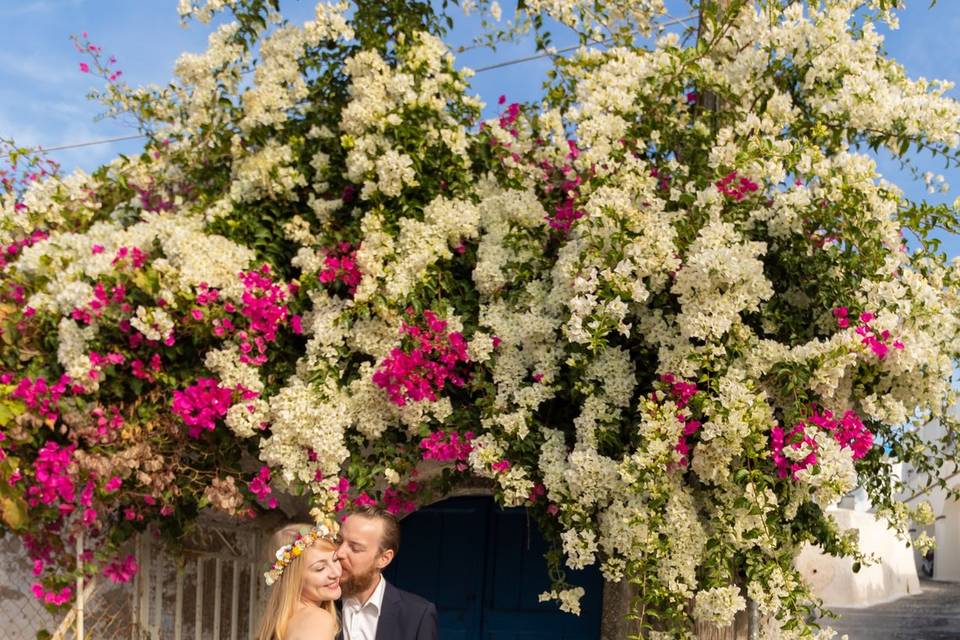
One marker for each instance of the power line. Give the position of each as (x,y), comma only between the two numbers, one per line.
(507,63)
(478,45)
(77,145)
(499,65)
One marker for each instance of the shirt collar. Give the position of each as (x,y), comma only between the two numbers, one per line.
(376,598)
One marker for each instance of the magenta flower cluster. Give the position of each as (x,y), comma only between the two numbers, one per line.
(340,265)
(55,598)
(447,446)
(107,424)
(41,396)
(260,487)
(396,501)
(343,490)
(134,256)
(201,405)
(795,438)
(681,392)
(120,571)
(879,342)
(52,480)
(102,299)
(11,251)
(561,179)
(849,431)
(734,188)
(420,371)
(146,371)
(565,213)
(264,307)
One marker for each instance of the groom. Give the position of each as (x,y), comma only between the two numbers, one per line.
(374,609)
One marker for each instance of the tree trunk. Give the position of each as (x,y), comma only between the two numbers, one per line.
(615,625)
(617,597)
(709,101)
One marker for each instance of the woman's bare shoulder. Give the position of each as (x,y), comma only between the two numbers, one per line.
(312,623)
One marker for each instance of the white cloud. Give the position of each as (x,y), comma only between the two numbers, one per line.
(37,70)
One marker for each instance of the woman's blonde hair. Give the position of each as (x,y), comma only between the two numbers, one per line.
(284,597)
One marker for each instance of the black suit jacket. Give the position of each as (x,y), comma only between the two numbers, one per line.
(403,616)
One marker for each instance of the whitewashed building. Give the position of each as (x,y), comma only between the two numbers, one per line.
(945,561)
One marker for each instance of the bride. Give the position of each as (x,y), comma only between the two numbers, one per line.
(305,582)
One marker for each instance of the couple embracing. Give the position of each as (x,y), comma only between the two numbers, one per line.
(326,586)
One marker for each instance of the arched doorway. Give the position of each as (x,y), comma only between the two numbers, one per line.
(483,567)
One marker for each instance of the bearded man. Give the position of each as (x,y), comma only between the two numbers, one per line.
(372,608)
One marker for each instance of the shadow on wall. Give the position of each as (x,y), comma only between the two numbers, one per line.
(833,579)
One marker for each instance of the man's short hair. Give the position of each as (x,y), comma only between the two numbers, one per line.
(391,526)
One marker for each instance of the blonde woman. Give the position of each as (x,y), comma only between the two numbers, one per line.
(304,583)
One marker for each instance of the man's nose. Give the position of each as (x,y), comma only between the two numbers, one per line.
(341,552)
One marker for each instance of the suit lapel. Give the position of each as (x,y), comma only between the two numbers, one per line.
(388,624)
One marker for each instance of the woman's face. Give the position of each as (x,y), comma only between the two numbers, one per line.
(321,574)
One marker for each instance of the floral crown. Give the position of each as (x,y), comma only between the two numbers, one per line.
(288,552)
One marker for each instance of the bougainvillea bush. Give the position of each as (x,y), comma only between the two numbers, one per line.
(671,308)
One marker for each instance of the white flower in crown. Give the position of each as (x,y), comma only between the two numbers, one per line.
(289,552)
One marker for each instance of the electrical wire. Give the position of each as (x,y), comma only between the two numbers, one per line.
(491,67)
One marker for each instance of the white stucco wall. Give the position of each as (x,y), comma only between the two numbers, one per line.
(833,579)
(946,529)
(946,563)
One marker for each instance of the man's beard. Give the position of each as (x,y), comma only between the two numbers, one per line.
(354,584)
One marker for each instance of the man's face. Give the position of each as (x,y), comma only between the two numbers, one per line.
(360,555)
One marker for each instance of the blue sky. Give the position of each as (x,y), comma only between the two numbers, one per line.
(42,92)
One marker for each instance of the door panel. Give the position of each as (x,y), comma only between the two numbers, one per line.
(483,567)
(442,557)
(517,575)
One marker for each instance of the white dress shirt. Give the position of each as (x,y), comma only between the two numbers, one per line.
(360,621)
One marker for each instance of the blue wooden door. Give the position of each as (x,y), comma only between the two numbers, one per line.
(483,567)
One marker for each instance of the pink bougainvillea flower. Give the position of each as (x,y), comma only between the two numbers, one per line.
(55,598)
(113,484)
(340,265)
(120,571)
(53,479)
(736,189)
(849,432)
(840,313)
(201,405)
(444,446)
(260,487)
(364,500)
(878,342)
(419,371)
(395,502)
